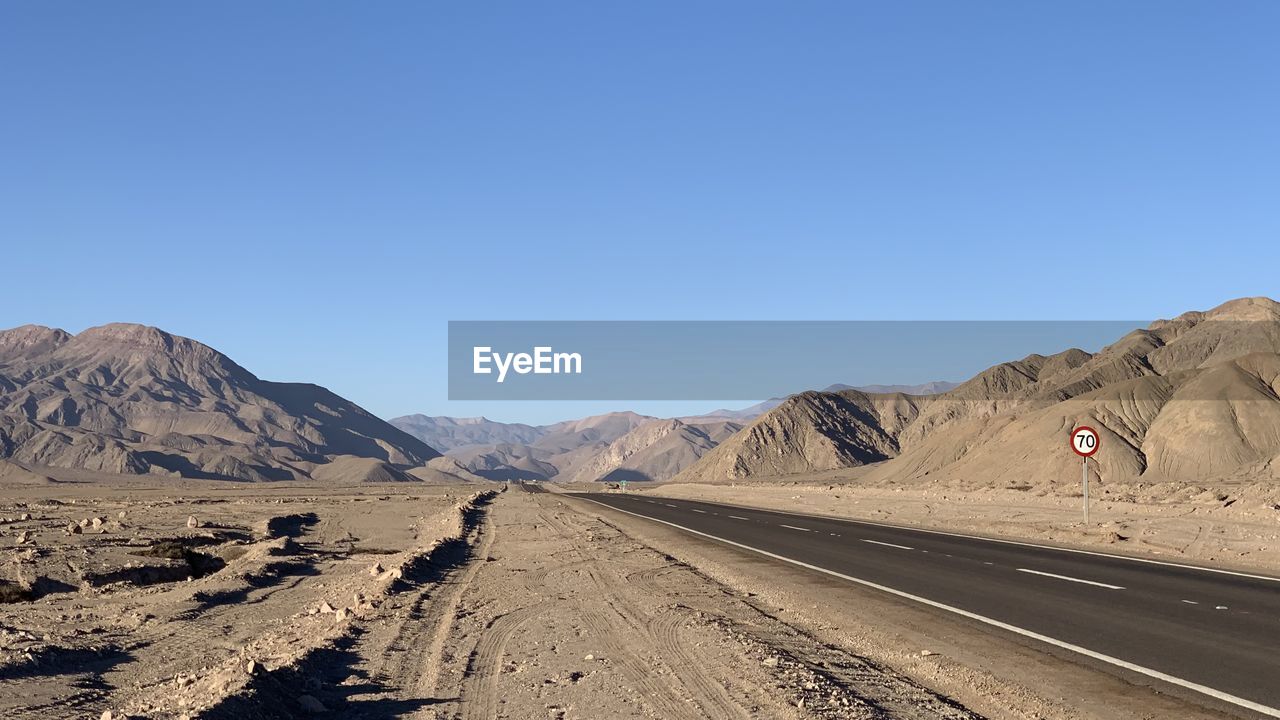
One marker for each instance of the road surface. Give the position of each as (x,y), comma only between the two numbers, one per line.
(1215,633)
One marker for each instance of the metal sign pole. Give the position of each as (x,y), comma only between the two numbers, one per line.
(1085,482)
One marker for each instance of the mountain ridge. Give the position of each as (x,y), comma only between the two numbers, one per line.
(133,399)
(1183,400)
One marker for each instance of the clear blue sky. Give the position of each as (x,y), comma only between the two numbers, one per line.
(316,188)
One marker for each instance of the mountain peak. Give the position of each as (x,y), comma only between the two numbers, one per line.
(32,338)
(133,334)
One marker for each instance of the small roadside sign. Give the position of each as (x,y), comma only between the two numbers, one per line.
(1085,442)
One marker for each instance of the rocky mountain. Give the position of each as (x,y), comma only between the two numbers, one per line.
(1193,399)
(131,399)
(507,462)
(754,411)
(655,450)
(572,435)
(597,448)
(450,433)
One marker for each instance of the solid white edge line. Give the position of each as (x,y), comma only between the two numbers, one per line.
(1202,689)
(1023,543)
(1070,579)
(877,542)
(793,527)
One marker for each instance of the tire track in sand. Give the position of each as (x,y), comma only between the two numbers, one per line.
(480,688)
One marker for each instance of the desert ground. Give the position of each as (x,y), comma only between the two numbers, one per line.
(145,598)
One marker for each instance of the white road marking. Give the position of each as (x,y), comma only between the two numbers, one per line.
(793,527)
(1191,602)
(704,512)
(987,563)
(1221,607)
(668,504)
(910,528)
(737,517)
(1071,579)
(900,547)
(1125,664)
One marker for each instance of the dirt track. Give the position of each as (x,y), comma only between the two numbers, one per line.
(519,607)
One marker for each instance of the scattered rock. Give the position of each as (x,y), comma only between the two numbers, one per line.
(311,704)
(23,537)
(25,516)
(74,529)
(589,658)
(325,607)
(250,667)
(771,661)
(927,653)
(375,570)
(192,522)
(341,615)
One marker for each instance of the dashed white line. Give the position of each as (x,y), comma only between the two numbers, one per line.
(738,517)
(1133,667)
(704,512)
(793,527)
(1071,579)
(668,504)
(877,542)
(1130,558)
(1191,602)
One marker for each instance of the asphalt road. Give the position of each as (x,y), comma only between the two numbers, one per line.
(1212,633)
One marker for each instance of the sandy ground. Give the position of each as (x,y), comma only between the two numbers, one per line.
(391,601)
(414,601)
(567,617)
(1225,526)
(158,607)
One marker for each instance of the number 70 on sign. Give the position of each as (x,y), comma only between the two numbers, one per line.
(1084,441)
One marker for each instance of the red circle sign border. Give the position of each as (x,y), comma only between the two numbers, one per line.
(1096,445)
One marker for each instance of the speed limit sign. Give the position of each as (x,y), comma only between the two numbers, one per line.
(1084,441)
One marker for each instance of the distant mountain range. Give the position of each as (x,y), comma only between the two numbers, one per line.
(137,400)
(1193,399)
(613,445)
(610,447)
